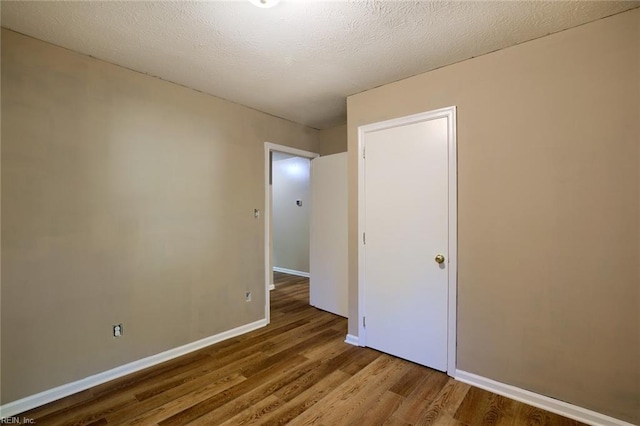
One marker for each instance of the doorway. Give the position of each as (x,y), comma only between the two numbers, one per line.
(288,254)
(407,227)
(290,219)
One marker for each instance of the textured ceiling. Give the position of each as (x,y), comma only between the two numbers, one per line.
(300,59)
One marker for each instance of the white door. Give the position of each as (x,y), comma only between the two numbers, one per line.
(328,243)
(406,228)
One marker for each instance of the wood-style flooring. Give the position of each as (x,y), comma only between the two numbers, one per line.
(297,370)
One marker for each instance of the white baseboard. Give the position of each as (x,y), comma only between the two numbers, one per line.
(352,340)
(291,272)
(547,403)
(16,407)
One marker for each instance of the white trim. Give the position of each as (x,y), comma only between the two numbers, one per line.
(268,147)
(541,401)
(45,397)
(452,270)
(291,272)
(272,287)
(352,340)
(453,239)
(362,337)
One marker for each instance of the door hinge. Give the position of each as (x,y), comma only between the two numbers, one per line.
(364,155)
(364,322)
(364,238)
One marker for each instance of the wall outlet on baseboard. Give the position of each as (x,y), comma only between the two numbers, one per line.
(117,330)
(247,296)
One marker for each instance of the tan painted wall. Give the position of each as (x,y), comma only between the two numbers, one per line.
(124,199)
(333,140)
(548,136)
(0,222)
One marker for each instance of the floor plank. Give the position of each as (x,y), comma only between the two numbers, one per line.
(297,370)
(445,404)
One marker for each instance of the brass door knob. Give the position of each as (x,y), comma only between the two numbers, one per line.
(439,258)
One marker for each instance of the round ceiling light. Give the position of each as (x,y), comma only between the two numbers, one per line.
(265,3)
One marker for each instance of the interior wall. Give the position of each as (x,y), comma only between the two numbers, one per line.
(333,140)
(0,220)
(291,182)
(548,210)
(125,199)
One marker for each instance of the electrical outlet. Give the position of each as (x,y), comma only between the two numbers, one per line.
(247,296)
(117,330)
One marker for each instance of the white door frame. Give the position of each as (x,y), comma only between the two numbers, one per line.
(268,148)
(452,276)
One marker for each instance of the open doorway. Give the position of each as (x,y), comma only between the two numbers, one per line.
(287,196)
(290,196)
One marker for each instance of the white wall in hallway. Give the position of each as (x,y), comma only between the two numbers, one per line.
(290,179)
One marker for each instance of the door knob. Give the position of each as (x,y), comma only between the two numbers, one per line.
(439,258)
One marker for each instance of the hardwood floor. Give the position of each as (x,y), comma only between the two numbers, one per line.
(297,370)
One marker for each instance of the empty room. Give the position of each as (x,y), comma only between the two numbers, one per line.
(207,215)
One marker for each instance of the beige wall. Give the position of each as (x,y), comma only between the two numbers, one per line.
(333,140)
(124,199)
(290,222)
(0,223)
(548,134)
